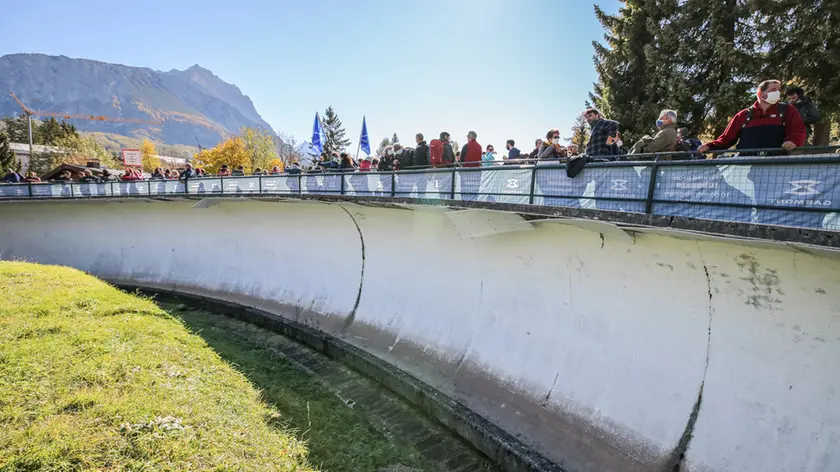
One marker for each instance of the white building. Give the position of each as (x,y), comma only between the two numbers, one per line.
(21,152)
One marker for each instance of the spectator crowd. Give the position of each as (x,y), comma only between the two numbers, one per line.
(766,127)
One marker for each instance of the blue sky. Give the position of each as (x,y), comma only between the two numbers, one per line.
(504,68)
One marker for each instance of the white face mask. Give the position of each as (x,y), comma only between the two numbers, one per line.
(773,97)
(555,141)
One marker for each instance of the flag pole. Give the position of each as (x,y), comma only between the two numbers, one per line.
(361,134)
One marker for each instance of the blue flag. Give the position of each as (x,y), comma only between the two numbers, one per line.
(365,141)
(317,134)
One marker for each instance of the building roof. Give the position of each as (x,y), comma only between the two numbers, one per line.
(73,168)
(23,148)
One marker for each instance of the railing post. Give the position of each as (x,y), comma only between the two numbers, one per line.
(341,191)
(649,201)
(186,185)
(71,190)
(112,187)
(222,185)
(29,187)
(149,187)
(533,182)
(259,181)
(300,183)
(393,184)
(452,190)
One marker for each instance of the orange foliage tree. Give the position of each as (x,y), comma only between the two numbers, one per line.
(148,152)
(231,152)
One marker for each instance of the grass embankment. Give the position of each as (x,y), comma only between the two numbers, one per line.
(92,378)
(339,438)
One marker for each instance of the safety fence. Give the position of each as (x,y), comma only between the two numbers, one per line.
(801,191)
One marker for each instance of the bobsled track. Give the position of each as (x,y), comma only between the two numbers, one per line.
(590,345)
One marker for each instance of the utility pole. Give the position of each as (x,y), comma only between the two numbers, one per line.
(29,121)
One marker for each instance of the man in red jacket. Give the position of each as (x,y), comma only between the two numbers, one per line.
(766,124)
(471,152)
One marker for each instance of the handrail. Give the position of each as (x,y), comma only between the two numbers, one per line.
(789,186)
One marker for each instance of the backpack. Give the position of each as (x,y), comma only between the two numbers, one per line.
(782,114)
(683,145)
(436,153)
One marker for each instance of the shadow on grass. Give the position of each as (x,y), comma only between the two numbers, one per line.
(339,438)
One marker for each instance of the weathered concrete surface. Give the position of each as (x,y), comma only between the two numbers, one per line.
(589,341)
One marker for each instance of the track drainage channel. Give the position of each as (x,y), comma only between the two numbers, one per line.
(349,421)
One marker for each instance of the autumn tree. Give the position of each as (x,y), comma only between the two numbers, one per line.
(149,154)
(260,146)
(231,152)
(334,133)
(79,150)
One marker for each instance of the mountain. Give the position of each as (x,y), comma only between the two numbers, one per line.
(191,105)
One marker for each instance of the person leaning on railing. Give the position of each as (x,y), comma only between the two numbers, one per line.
(293,169)
(188,173)
(665,139)
(471,153)
(603,136)
(514,154)
(551,149)
(766,124)
(11,177)
(89,178)
(421,152)
(131,175)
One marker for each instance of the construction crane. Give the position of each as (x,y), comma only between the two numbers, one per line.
(30,112)
(66,116)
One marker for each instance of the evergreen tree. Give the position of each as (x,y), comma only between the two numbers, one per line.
(382,145)
(580,133)
(68,129)
(698,57)
(17,129)
(50,131)
(394,139)
(627,89)
(714,64)
(7,157)
(802,40)
(334,134)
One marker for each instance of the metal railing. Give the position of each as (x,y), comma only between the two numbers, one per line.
(800,191)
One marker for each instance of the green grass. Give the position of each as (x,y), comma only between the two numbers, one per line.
(339,438)
(92,378)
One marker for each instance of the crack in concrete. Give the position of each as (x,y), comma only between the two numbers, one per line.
(711,310)
(602,240)
(678,454)
(472,339)
(352,316)
(553,384)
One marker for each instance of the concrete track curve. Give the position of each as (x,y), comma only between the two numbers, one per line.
(603,348)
